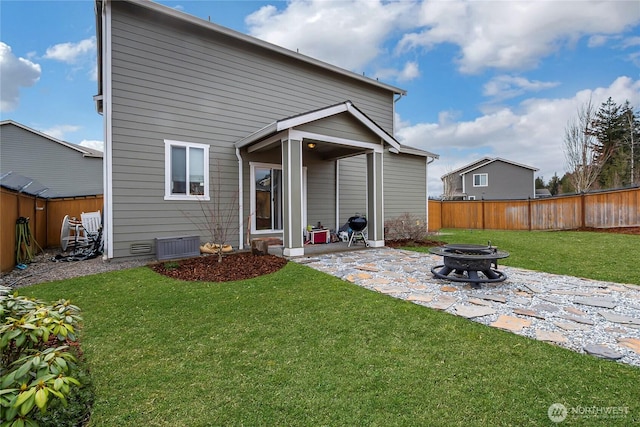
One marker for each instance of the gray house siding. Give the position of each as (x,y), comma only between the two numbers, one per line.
(64,170)
(352,187)
(405,180)
(171,79)
(505,181)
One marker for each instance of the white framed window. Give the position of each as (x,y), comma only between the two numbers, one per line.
(471,198)
(186,170)
(480,180)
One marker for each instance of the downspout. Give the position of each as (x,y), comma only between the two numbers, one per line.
(394,113)
(240,212)
(426,186)
(337,172)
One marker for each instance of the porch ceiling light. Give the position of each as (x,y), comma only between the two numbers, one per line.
(311,145)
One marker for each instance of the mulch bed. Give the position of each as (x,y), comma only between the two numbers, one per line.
(237,266)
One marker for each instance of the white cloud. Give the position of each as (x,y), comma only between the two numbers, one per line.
(411,71)
(15,73)
(515,35)
(72,53)
(96,145)
(348,33)
(505,87)
(60,131)
(531,135)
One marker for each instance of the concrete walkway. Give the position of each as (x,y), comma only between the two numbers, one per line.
(587,316)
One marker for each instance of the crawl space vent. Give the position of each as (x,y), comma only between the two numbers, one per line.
(177,247)
(140,248)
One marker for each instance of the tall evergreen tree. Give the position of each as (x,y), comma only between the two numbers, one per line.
(631,138)
(608,127)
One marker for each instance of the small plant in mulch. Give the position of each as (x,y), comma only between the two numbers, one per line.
(206,268)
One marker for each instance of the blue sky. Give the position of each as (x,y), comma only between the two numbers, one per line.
(484,78)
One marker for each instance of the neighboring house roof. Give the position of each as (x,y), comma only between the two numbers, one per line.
(86,152)
(23,184)
(543,192)
(483,162)
(193,20)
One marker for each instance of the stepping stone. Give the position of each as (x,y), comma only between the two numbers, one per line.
(527,312)
(596,302)
(417,287)
(551,299)
(602,351)
(615,330)
(448,288)
(368,268)
(523,294)
(390,290)
(571,326)
(379,282)
(583,320)
(350,278)
(511,323)
(521,301)
(478,301)
(548,336)
(546,307)
(412,280)
(491,297)
(443,302)
(471,311)
(420,298)
(573,292)
(575,311)
(619,318)
(632,343)
(364,276)
(533,288)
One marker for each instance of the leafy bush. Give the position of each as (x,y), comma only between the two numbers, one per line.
(38,364)
(405,227)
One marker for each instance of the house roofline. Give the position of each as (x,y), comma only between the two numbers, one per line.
(150,5)
(86,152)
(483,162)
(501,160)
(319,114)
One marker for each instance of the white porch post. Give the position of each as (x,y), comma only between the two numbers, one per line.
(293,240)
(375,200)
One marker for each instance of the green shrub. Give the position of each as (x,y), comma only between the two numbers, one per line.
(38,365)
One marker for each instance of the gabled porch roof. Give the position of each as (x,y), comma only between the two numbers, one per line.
(275,131)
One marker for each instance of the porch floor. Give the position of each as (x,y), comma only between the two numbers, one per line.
(325,248)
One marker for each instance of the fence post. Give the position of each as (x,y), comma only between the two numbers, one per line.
(483,225)
(582,209)
(529,212)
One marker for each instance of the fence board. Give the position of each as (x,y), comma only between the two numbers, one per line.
(618,208)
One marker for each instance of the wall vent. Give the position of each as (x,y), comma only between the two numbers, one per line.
(177,247)
(140,248)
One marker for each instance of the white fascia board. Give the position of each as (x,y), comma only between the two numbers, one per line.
(373,127)
(300,135)
(256,136)
(463,169)
(310,117)
(267,142)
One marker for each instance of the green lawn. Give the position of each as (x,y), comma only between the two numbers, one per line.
(300,347)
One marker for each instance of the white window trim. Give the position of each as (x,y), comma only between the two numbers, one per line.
(471,198)
(473,181)
(167,170)
(252,198)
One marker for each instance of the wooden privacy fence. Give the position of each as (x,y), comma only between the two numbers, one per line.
(618,208)
(45,219)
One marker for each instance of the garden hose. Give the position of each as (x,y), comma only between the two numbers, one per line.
(24,241)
